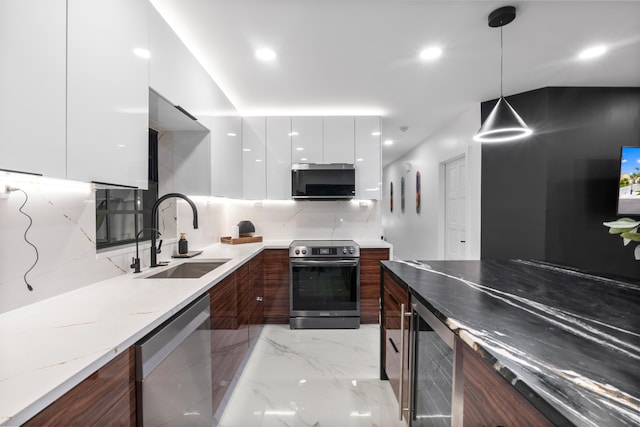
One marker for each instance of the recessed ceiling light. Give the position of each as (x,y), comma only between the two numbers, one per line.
(430,53)
(359,160)
(142,53)
(377,133)
(294,134)
(304,159)
(300,148)
(231,134)
(592,52)
(258,160)
(246,149)
(388,142)
(265,54)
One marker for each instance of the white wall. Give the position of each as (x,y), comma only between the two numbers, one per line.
(421,236)
(64,232)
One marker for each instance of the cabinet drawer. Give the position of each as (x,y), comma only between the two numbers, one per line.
(397,291)
(224,308)
(391,312)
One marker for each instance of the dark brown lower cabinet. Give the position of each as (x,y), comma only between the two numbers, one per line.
(394,350)
(236,311)
(276,286)
(256,304)
(489,400)
(229,336)
(370,283)
(106,398)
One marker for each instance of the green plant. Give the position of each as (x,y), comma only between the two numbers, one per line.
(627,228)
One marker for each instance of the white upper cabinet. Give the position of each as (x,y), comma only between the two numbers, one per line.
(338,140)
(33,86)
(368,158)
(306,140)
(108,91)
(278,158)
(254,158)
(226,156)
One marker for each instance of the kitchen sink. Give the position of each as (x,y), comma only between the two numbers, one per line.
(189,270)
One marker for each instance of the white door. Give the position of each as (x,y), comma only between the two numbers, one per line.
(455,212)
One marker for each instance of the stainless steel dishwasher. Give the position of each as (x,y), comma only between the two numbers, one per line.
(173,370)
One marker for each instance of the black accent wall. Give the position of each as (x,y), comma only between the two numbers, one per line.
(545,197)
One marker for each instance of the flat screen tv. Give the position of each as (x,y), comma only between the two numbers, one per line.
(629,190)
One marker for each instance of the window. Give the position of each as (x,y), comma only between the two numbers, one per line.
(122,212)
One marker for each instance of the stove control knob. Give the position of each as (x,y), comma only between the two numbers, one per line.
(304,252)
(344,250)
(351,250)
(297,251)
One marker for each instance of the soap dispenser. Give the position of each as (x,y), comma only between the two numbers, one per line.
(183,245)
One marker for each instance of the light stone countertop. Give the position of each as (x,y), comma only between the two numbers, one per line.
(49,347)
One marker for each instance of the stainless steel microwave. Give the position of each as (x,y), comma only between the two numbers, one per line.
(313,181)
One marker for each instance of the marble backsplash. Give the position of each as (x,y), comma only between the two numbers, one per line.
(63,231)
(282,220)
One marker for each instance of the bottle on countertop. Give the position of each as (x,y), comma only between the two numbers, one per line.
(183,245)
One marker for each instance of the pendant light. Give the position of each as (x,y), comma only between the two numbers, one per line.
(503,123)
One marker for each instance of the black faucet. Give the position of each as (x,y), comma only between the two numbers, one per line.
(135,262)
(154,221)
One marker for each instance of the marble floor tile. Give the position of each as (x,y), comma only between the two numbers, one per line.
(313,378)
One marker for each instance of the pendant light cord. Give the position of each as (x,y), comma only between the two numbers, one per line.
(500,62)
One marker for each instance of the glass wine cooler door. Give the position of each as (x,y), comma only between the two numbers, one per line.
(432,359)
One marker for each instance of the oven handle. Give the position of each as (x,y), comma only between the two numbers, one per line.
(326,263)
(403,409)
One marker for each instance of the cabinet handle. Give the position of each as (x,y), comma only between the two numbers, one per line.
(403,314)
(259,299)
(393,345)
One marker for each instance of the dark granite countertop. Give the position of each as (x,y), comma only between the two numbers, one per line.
(568,340)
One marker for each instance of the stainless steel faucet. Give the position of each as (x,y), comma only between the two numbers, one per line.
(154,221)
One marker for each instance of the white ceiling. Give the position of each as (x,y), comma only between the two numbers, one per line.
(354,57)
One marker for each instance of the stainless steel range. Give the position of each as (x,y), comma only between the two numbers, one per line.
(324,284)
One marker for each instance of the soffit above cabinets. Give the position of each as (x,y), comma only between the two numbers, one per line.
(355,57)
(164,116)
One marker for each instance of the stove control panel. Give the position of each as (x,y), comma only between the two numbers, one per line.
(347,250)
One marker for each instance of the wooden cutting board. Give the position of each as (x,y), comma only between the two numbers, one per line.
(239,240)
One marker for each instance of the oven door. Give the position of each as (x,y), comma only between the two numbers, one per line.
(325,287)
